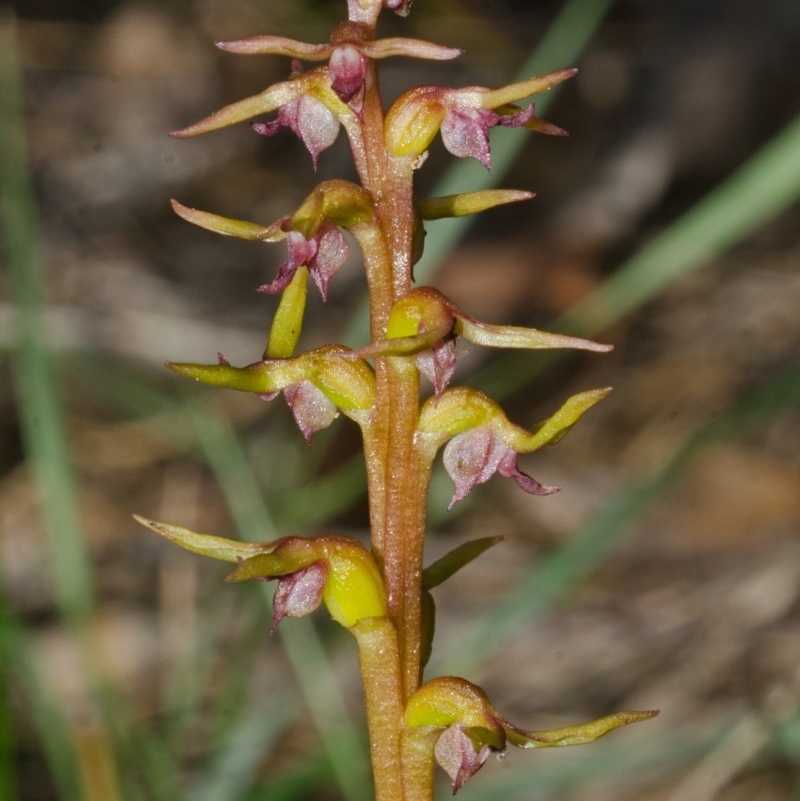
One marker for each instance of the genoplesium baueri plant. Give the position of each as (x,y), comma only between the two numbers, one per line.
(382,595)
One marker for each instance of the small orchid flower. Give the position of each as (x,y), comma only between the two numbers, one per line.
(464,116)
(424,323)
(313,236)
(480,440)
(305,103)
(347,53)
(311,408)
(332,569)
(317,384)
(464,728)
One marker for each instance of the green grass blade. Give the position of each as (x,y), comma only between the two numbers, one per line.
(38,402)
(766,184)
(17,663)
(8,780)
(237,761)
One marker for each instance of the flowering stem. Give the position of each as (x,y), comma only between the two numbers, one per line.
(397,488)
(398,482)
(402,518)
(379,662)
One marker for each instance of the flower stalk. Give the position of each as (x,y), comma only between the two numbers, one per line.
(381,594)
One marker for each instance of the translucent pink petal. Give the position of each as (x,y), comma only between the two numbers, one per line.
(282,279)
(465,132)
(438,365)
(312,122)
(515,120)
(348,70)
(401,7)
(311,408)
(456,754)
(300,251)
(331,254)
(472,458)
(508,467)
(299,593)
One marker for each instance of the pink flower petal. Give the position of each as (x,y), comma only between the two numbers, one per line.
(311,408)
(331,254)
(465,132)
(474,456)
(456,754)
(471,458)
(299,593)
(438,364)
(348,70)
(309,119)
(508,467)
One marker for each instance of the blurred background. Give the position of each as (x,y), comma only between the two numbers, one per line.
(665,574)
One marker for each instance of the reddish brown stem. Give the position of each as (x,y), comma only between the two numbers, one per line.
(397,476)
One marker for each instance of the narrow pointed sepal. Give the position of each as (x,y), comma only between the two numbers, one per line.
(349,383)
(269,100)
(227,226)
(214,547)
(510,336)
(464,203)
(514,92)
(424,317)
(306,104)
(287,324)
(344,36)
(580,734)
